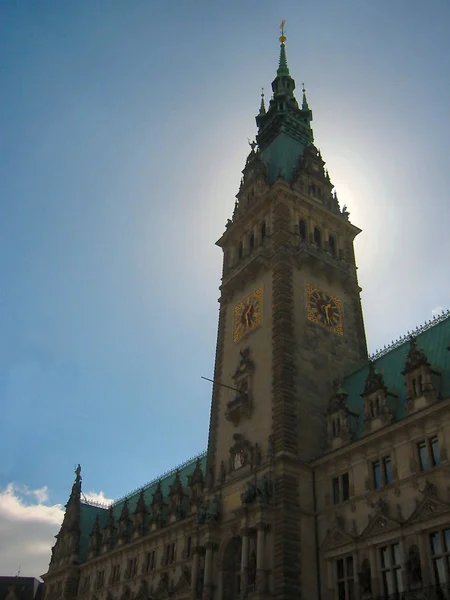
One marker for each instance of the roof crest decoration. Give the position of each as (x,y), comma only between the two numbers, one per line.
(414,333)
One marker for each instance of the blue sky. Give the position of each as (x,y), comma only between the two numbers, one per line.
(124,129)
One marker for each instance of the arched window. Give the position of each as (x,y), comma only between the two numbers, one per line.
(302,229)
(240,250)
(332,245)
(251,240)
(263,230)
(317,237)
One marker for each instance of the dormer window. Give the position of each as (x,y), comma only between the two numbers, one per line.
(332,245)
(263,230)
(317,237)
(302,229)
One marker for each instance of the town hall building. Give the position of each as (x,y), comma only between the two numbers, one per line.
(327,474)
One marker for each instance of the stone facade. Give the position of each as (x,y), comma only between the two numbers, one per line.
(326,474)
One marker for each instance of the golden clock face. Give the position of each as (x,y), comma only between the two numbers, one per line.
(324,309)
(247,315)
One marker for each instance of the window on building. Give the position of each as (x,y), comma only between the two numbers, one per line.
(341,488)
(387,470)
(376,470)
(115,574)
(302,229)
(440,555)
(417,386)
(336,426)
(391,571)
(263,230)
(169,554)
(240,250)
(188,546)
(100,579)
(251,240)
(317,237)
(86,584)
(150,562)
(336,493)
(429,453)
(382,472)
(332,245)
(345,578)
(345,487)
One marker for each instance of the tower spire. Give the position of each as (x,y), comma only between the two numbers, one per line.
(304,100)
(262,107)
(283,120)
(283,69)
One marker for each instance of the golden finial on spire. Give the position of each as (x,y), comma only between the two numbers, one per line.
(282,36)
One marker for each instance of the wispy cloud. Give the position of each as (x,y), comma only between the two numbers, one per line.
(98,497)
(28,525)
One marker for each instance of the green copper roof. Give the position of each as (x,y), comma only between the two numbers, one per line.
(89,511)
(88,514)
(185,470)
(284,129)
(433,339)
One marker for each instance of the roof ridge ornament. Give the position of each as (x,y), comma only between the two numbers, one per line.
(404,338)
(282,37)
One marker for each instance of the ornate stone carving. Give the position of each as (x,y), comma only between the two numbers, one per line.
(413,567)
(95,539)
(262,491)
(365,579)
(420,388)
(124,523)
(196,481)
(176,498)
(376,409)
(209,512)
(109,531)
(241,405)
(338,427)
(139,516)
(157,506)
(241,453)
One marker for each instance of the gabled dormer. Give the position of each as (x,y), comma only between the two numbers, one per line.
(124,524)
(67,547)
(377,411)
(422,382)
(338,420)
(139,516)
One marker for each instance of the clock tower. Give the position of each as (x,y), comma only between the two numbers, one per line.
(290,325)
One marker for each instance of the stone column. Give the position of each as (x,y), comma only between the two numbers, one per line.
(208,567)
(403,562)
(194,573)
(244,561)
(424,559)
(260,558)
(374,572)
(331,580)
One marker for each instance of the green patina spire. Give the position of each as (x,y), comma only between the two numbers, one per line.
(304,100)
(262,107)
(283,69)
(284,129)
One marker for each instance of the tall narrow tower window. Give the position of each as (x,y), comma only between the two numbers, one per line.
(240,250)
(251,240)
(263,230)
(332,245)
(302,229)
(317,237)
